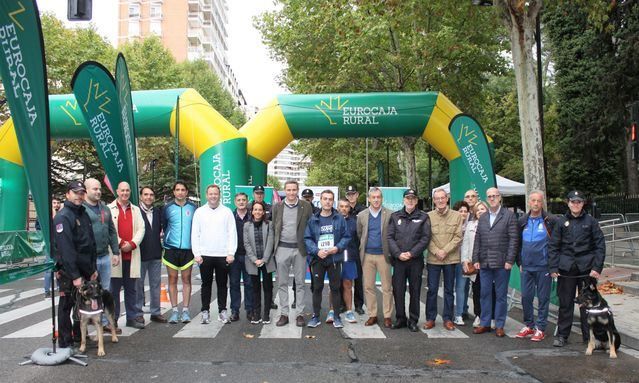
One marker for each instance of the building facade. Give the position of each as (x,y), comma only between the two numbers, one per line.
(289,165)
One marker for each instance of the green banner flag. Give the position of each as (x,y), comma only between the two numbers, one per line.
(22,255)
(475,155)
(24,76)
(123,87)
(95,91)
(393,197)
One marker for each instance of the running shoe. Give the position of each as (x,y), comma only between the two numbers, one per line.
(314,322)
(224,317)
(186,317)
(206,317)
(538,337)
(337,322)
(330,317)
(525,332)
(350,317)
(175,317)
(459,321)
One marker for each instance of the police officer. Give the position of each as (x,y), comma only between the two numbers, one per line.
(258,195)
(352,195)
(576,250)
(76,257)
(308,195)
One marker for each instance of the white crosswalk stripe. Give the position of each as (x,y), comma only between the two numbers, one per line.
(195,329)
(21,295)
(359,331)
(290,331)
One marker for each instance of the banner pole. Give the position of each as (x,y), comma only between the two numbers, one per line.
(177,139)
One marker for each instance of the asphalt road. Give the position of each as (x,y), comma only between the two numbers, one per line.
(241,352)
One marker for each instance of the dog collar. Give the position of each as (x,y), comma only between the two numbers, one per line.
(598,311)
(85,312)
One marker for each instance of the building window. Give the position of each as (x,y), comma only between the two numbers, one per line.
(134,11)
(156,27)
(134,28)
(156,10)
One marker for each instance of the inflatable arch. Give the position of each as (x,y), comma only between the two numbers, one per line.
(230,157)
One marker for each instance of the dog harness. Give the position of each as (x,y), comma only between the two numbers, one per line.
(604,310)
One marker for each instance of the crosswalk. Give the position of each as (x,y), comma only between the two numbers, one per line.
(30,319)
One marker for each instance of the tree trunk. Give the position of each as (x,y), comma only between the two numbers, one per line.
(521,22)
(410,166)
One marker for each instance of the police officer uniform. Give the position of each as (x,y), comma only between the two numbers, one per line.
(267,214)
(76,256)
(576,248)
(306,193)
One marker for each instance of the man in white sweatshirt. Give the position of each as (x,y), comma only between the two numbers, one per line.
(214,242)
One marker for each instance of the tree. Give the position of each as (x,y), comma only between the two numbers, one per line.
(520,18)
(390,46)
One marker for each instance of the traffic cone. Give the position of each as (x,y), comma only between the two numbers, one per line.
(164,298)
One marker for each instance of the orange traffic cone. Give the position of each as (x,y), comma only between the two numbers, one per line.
(164,298)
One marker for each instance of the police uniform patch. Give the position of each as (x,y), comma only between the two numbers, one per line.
(77,222)
(399,222)
(59,228)
(567,223)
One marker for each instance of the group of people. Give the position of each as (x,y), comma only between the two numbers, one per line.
(122,244)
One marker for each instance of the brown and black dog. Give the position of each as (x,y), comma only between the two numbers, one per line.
(603,333)
(92,301)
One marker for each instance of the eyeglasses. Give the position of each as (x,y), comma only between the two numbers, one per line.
(492,196)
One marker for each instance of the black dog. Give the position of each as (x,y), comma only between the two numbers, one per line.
(92,301)
(603,334)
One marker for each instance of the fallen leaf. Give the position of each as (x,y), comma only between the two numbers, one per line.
(609,288)
(248,336)
(438,362)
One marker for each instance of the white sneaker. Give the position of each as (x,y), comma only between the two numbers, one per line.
(492,324)
(477,321)
(206,317)
(459,321)
(223,317)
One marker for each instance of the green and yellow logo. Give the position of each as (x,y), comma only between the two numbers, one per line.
(336,108)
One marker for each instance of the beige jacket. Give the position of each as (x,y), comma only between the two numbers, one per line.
(138,236)
(446,234)
(362,231)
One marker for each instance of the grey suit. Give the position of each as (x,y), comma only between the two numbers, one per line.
(249,246)
(287,257)
(375,263)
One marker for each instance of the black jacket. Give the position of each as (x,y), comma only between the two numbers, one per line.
(497,245)
(408,232)
(151,245)
(576,241)
(239,227)
(75,250)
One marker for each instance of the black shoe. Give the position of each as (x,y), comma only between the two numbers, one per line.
(398,324)
(135,324)
(235,317)
(359,310)
(294,305)
(273,306)
(47,294)
(560,342)
(412,326)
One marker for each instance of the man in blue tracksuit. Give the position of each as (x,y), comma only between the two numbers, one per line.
(326,237)
(535,227)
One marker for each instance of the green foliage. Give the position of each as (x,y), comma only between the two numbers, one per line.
(381,46)
(590,108)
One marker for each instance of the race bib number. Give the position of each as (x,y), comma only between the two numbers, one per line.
(325,242)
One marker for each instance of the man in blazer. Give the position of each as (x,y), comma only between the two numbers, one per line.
(494,253)
(130,226)
(151,254)
(290,218)
(372,224)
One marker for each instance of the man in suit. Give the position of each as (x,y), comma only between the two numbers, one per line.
(151,254)
(494,253)
(372,224)
(290,218)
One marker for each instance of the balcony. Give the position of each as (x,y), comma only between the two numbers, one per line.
(195,36)
(195,20)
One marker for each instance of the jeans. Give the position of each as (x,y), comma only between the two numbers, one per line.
(221,269)
(500,277)
(410,271)
(154,269)
(462,286)
(535,283)
(434,272)
(237,270)
(47,281)
(130,294)
(103,266)
(267,285)
(334,271)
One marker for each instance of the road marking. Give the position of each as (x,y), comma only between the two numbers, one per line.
(195,329)
(290,331)
(23,295)
(359,331)
(22,312)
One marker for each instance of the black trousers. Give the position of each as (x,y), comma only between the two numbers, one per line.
(407,271)
(65,306)
(358,295)
(566,291)
(334,271)
(267,286)
(221,269)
